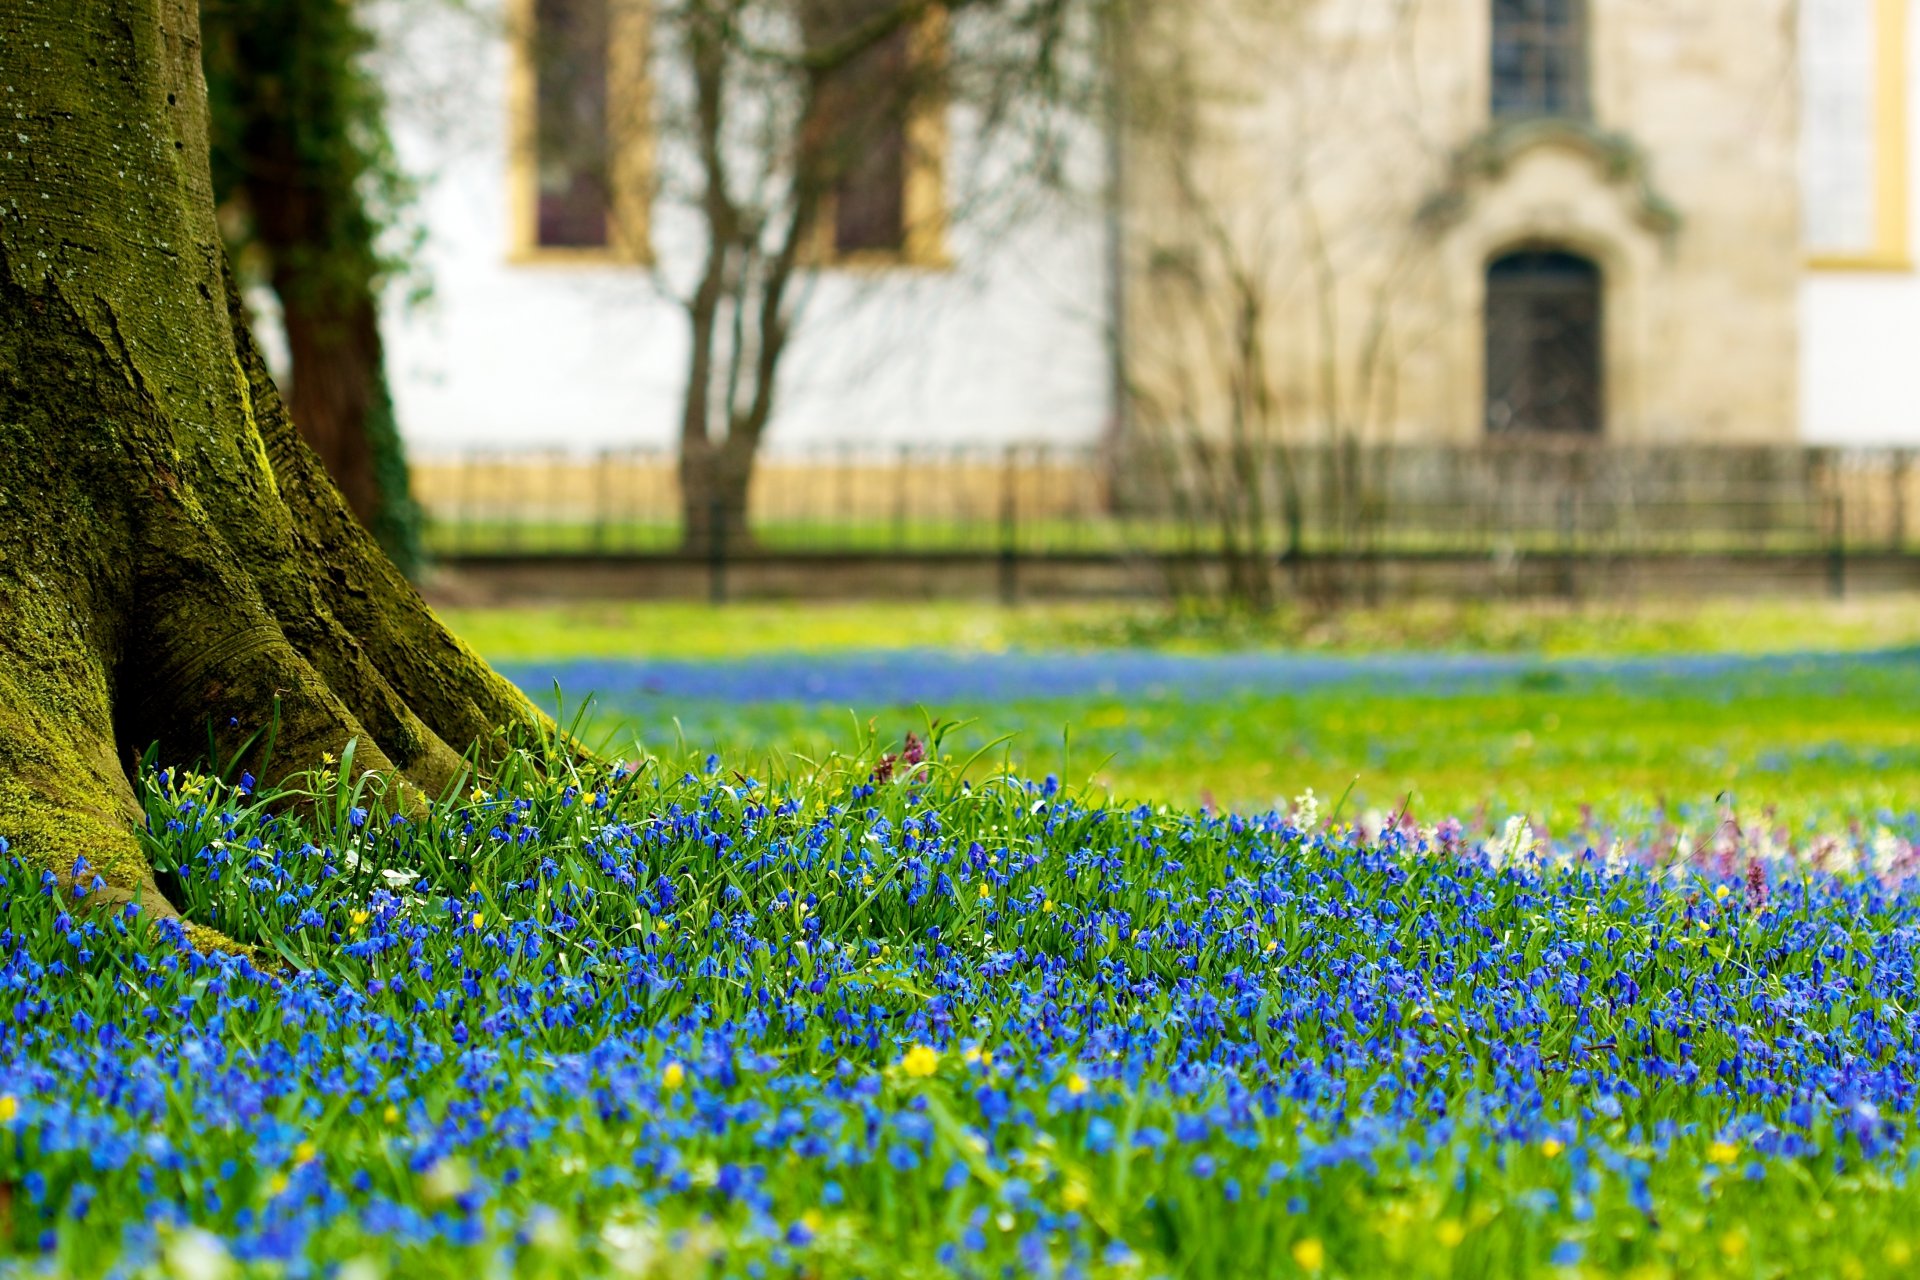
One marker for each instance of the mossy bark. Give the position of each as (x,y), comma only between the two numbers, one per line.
(173,558)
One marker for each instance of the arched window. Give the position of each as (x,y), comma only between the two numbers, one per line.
(1539,58)
(1544,370)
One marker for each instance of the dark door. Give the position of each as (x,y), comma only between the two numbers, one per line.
(1544,368)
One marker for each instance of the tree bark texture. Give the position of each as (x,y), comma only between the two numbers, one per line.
(172,555)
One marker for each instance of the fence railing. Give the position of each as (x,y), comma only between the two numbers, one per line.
(1037,500)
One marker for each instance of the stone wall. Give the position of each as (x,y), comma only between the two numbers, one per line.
(1315,189)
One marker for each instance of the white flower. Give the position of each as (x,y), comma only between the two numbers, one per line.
(1887,851)
(1842,857)
(1306,810)
(1516,843)
(198,1255)
(630,1246)
(1616,863)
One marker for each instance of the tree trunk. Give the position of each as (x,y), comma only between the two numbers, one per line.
(291,113)
(340,403)
(714,484)
(172,556)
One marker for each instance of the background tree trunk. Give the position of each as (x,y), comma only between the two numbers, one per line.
(714,483)
(172,556)
(299,149)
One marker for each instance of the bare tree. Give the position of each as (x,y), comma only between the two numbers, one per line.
(779,140)
(1270,295)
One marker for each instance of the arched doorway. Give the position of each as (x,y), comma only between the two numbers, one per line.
(1544,370)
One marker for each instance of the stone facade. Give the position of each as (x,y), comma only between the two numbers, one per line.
(1317,188)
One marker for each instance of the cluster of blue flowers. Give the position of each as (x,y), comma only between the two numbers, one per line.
(907,677)
(662,1023)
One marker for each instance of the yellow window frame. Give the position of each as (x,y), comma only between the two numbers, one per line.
(924,184)
(1892,228)
(629,131)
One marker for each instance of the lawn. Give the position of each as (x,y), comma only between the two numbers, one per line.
(1795,710)
(823,1003)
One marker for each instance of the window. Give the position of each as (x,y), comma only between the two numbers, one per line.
(880,135)
(580,144)
(572,154)
(1539,58)
(1544,370)
(870,206)
(1854,169)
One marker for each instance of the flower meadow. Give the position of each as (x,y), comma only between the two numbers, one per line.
(899,1018)
(1815,737)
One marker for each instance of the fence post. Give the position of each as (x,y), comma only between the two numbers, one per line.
(1569,552)
(1897,516)
(602,501)
(1009,530)
(903,462)
(717,552)
(1837,548)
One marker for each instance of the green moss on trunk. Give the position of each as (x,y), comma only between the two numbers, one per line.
(172,558)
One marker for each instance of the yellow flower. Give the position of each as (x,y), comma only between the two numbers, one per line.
(972,1054)
(478,920)
(276,1184)
(360,918)
(326,757)
(1047,906)
(1310,1254)
(477,795)
(1734,1243)
(1722,892)
(1552,1147)
(866,878)
(9,1108)
(920,1062)
(986,892)
(1076,1084)
(1723,1152)
(305,1152)
(1073,1196)
(1451,1233)
(391,1115)
(673,1076)
(1272,946)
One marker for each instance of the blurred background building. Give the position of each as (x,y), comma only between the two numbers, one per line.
(1335,278)
(1649,221)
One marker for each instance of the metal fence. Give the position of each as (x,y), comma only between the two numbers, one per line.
(1046,501)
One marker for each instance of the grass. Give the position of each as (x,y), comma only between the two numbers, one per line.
(679,1021)
(814,1003)
(678,629)
(1826,739)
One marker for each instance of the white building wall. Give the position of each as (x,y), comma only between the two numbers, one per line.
(1010,345)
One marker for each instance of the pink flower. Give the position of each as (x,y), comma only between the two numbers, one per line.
(1756,885)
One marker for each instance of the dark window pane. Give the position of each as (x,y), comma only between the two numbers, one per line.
(573,150)
(1539,58)
(871,204)
(1544,370)
(860,115)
